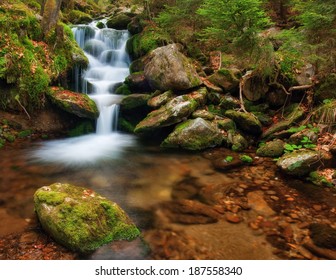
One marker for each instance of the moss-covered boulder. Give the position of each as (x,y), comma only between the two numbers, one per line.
(79,17)
(75,103)
(80,219)
(168,69)
(196,134)
(133,101)
(175,111)
(228,79)
(300,162)
(119,21)
(161,99)
(245,121)
(293,113)
(255,88)
(273,148)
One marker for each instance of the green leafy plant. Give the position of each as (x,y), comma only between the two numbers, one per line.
(292,147)
(246,159)
(229,159)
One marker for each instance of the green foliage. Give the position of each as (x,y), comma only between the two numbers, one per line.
(296,129)
(234,23)
(305,142)
(246,158)
(229,159)
(181,20)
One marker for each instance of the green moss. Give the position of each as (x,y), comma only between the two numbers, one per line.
(81,219)
(246,158)
(82,129)
(50,197)
(76,17)
(25,133)
(319,180)
(123,90)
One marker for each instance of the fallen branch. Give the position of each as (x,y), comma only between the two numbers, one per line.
(24,109)
(247,75)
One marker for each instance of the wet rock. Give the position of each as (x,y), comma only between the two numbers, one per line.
(119,21)
(195,134)
(133,101)
(226,124)
(232,218)
(204,114)
(258,204)
(227,162)
(228,79)
(175,111)
(237,141)
(189,212)
(323,235)
(161,99)
(227,102)
(137,82)
(75,103)
(81,219)
(294,113)
(245,121)
(300,162)
(273,148)
(168,69)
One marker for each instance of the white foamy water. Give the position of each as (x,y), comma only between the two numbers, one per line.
(108,66)
(83,150)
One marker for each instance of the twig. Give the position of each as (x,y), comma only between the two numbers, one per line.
(247,75)
(24,109)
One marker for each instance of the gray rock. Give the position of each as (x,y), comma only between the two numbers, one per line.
(300,162)
(245,121)
(168,69)
(273,148)
(196,134)
(175,111)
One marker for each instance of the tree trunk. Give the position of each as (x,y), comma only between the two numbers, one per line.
(50,12)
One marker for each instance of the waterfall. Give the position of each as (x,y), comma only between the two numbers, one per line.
(108,66)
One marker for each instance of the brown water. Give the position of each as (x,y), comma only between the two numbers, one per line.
(185,208)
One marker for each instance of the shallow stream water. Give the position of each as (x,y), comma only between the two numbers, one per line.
(185,208)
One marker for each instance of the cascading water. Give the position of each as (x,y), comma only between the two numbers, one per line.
(108,67)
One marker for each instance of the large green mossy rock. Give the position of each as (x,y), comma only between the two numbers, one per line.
(196,134)
(134,101)
(168,69)
(175,111)
(326,88)
(245,121)
(79,104)
(300,162)
(80,219)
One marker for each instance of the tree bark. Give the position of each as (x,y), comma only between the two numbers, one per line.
(50,12)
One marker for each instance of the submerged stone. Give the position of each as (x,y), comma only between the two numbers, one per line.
(79,104)
(196,134)
(80,219)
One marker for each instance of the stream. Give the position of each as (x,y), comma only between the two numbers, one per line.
(184,206)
